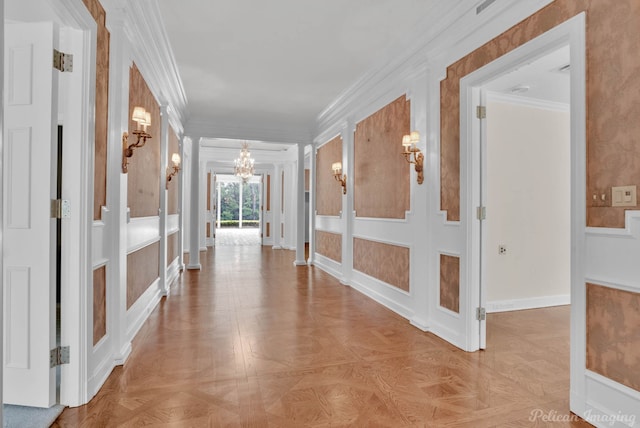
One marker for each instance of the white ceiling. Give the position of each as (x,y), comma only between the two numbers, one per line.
(279,63)
(542,78)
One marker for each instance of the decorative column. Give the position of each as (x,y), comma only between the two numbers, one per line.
(300,209)
(164,156)
(194,209)
(276,204)
(312,203)
(347,202)
(240,190)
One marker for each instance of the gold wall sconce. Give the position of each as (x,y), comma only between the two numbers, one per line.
(173,170)
(336,167)
(409,142)
(143,119)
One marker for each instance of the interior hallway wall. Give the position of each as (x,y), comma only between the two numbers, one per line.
(528,203)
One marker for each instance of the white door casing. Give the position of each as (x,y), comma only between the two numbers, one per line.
(29,185)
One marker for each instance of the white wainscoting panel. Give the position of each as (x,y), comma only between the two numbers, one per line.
(17,316)
(142,231)
(173,223)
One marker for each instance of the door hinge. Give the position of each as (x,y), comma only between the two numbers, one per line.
(59,356)
(62,61)
(481,213)
(60,208)
(481,112)
(481,314)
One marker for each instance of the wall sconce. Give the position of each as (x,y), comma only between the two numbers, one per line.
(171,171)
(143,119)
(409,142)
(337,174)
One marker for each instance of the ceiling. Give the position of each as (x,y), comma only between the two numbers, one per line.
(279,63)
(541,79)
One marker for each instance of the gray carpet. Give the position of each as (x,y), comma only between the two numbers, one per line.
(30,417)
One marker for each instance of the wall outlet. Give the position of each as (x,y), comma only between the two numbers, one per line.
(502,249)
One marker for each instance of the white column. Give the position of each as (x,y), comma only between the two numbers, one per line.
(164,156)
(218,205)
(180,185)
(276,204)
(203,205)
(194,209)
(117,190)
(347,202)
(1,195)
(312,204)
(300,208)
(240,204)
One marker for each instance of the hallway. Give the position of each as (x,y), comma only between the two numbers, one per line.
(252,340)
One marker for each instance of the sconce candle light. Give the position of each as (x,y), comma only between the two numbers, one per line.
(409,142)
(143,119)
(171,171)
(337,174)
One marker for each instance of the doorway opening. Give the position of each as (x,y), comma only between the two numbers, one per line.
(238,211)
(525,185)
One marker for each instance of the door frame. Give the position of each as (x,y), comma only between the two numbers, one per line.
(572,33)
(76,34)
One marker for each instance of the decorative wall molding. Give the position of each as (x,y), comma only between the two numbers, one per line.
(142,231)
(527,102)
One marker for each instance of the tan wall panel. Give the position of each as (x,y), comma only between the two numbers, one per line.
(268,230)
(172,193)
(613,334)
(613,156)
(268,192)
(328,190)
(306,180)
(329,245)
(172,247)
(381,172)
(142,270)
(450,282)
(99,304)
(208,191)
(144,166)
(386,262)
(102,108)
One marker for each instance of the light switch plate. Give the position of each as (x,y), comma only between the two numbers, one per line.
(624,196)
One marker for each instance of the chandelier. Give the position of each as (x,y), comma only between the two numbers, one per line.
(244,164)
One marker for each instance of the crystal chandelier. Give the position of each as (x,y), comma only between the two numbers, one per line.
(244,164)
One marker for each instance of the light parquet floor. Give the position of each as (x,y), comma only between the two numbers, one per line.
(253,341)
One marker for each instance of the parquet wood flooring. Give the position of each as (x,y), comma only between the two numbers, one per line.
(253,341)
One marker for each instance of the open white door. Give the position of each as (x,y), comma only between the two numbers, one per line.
(482,140)
(29,231)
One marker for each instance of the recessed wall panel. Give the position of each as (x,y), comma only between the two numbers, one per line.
(328,190)
(450,282)
(99,304)
(142,271)
(613,334)
(102,106)
(329,245)
(387,262)
(381,187)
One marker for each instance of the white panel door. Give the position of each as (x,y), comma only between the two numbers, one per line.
(29,232)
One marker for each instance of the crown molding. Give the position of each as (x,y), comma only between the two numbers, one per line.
(152,53)
(527,102)
(273,132)
(452,30)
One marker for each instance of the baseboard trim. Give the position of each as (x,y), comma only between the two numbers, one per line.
(530,303)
